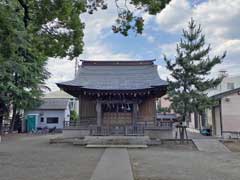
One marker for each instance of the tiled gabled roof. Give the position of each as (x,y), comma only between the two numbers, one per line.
(53,104)
(58,95)
(116,75)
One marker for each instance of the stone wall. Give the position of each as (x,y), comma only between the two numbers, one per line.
(159,134)
(152,133)
(72,133)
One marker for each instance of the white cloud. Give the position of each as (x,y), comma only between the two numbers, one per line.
(217,18)
(96,23)
(100,51)
(97,28)
(147,18)
(174,16)
(149,37)
(220,22)
(61,70)
(168,49)
(163,72)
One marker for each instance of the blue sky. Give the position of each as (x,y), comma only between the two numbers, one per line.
(220,21)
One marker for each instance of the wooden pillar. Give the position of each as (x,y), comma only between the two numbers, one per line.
(135,112)
(80,107)
(155,112)
(99,113)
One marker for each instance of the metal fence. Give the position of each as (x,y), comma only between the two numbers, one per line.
(84,122)
(136,129)
(117,130)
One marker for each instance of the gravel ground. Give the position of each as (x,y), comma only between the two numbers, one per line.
(33,158)
(233,146)
(157,163)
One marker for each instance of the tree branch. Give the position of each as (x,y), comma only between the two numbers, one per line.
(25,7)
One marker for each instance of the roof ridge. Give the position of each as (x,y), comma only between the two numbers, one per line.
(117,62)
(120,60)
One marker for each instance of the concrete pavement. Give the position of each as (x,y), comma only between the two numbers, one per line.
(210,145)
(113,165)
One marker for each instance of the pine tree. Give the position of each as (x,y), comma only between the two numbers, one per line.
(190,73)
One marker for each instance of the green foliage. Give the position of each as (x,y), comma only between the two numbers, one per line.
(190,72)
(73,116)
(21,65)
(55,26)
(152,6)
(30,32)
(129,18)
(163,110)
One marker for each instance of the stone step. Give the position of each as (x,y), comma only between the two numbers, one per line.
(117,140)
(116,146)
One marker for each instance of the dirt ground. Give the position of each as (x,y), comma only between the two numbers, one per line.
(233,146)
(33,158)
(164,163)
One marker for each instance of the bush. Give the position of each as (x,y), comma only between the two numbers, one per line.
(73,116)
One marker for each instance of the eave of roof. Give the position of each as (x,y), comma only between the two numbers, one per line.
(117,62)
(57,95)
(114,76)
(226,93)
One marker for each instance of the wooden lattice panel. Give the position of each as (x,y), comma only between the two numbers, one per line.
(114,118)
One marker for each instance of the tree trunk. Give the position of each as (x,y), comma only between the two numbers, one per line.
(182,136)
(13,120)
(181,133)
(1,123)
(184,114)
(2,111)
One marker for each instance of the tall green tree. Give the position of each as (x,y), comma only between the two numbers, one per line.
(30,32)
(21,65)
(190,73)
(33,30)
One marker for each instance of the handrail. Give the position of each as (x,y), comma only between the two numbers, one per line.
(89,121)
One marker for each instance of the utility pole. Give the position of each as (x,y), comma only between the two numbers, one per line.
(76,67)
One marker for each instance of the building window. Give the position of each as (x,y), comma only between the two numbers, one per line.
(42,119)
(52,120)
(230,86)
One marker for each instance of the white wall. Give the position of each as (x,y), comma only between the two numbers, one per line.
(217,121)
(191,123)
(67,114)
(231,112)
(61,114)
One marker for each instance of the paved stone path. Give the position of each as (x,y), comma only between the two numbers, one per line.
(210,145)
(113,165)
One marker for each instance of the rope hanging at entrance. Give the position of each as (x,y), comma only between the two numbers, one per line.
(120,94)
(120,107)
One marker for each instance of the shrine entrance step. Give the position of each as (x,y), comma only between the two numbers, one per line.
(117,141)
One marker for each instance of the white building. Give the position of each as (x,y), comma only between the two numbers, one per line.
(224,117)
(52,113)
(227,84)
